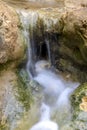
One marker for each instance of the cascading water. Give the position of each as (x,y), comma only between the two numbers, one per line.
(56,96)
(29,20)
(56,90)
(48,48)
(45,122)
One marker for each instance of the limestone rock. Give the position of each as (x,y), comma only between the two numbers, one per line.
(75,33)
(11,38)
(73,42)
(15,99)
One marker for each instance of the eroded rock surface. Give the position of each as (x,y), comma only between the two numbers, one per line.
(73,43)
(11,38)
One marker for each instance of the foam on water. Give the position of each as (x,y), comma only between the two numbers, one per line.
(57,92)
(45,123)
(63,106)
(51,83)
(45,112)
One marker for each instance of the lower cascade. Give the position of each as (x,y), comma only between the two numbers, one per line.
(56,98)
(45,123)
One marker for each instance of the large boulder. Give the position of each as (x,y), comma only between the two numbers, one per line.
(73,43)
(75,35)
(11,38)
(14,95)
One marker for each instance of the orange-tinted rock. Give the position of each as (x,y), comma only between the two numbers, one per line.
(83,105)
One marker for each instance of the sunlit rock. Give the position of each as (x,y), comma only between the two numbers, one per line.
(83,105)
(11,39)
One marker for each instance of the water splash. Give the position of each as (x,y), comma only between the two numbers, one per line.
(51,83)
(45,123)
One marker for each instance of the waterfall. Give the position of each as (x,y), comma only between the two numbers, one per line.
(45,122)
(56,90)
(48,48)
(29,23)
(28,19)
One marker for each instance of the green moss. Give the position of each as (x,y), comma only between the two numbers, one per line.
(78,56)
(20,26)
(24,92)
(76,98)
(4,124)
(5,66)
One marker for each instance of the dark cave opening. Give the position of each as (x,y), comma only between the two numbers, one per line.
(42,52)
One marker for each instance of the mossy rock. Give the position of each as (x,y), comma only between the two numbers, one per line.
(76,99)
(24,89)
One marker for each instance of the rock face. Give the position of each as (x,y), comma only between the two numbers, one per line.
(75,35)
(11,39)
(15,98)
(73,43)
(12,51)
(9,106)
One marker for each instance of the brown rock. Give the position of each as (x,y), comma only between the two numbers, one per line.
(75,34)
(11,39)
(83,105)
(84,99)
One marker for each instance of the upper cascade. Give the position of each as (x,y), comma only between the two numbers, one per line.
(36,28)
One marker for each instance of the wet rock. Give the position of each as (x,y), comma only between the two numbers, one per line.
(72,43)
(79,104)
(15,99)
(9,106)
(78,97)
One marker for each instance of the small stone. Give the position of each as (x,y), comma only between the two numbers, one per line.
(84,99)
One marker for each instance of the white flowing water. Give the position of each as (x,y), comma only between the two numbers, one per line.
(45,123)
(48,48)
(28,19)
(56,98)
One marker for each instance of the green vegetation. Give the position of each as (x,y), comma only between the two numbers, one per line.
(23,89)
(76,99)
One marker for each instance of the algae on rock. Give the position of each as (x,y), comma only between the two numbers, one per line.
(76,98)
